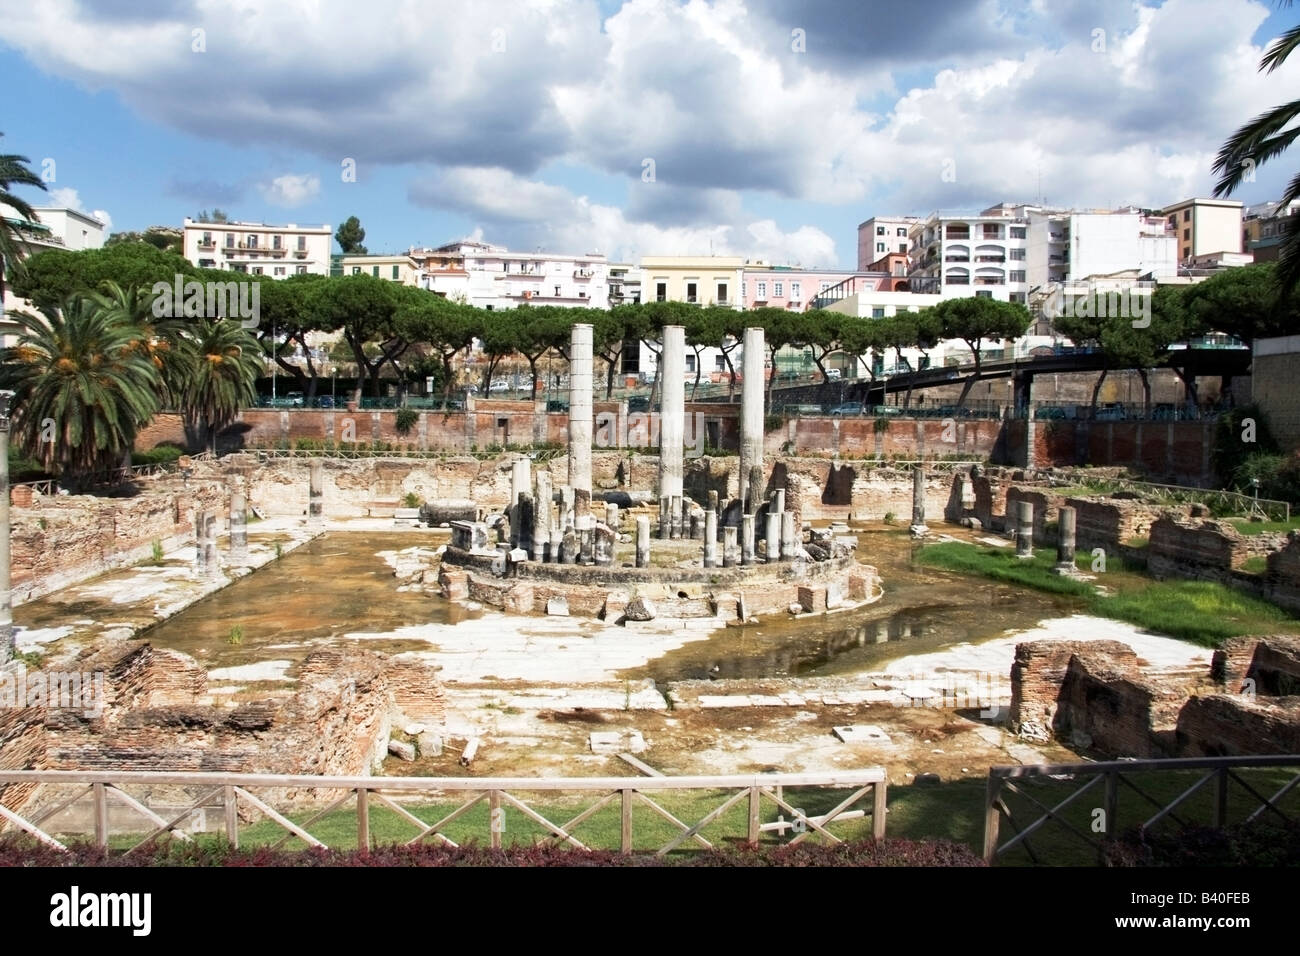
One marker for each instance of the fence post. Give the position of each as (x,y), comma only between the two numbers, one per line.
(363,819)
(101,814)
(1221,797)
(231,801)
(754,795)
(494,816)
(879,808)
(625,841)
(991,819)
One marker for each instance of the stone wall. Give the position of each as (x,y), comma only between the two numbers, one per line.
(1272,663)
(1230,725)
(1283,581)
(1191,548)
(1047,509)
(1037,673)
(61,539)
(1106,522)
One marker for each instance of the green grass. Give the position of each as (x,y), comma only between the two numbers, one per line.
(1257,564)
(1265,527)
(1202,612)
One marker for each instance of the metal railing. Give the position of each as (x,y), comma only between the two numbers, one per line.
(1218,501)
(1111,775)
(234,792)
(115,476)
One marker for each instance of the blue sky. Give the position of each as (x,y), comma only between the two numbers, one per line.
(530,122)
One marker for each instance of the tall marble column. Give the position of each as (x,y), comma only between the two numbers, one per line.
(751,419)
(672,410)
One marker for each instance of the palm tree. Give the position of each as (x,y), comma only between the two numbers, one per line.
(14,172)
(1264,137)
(160,339)
(224,362)
(82,389)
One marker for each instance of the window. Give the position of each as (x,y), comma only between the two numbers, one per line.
(557,291)
(1017,254)
(230,240)
(1017,232)
(302,243)
(207,263)
(878,312)
(252,241)
(277,242)
(901,231)
(719,363)
(823,285)
(1187,252)
(1187,215)
(1187,234)
(762,290)
(880,247)
(257,270)
(795,290)
(880,230)
(661,291)
(1016,275)
(301,270)
(744,289)
(690,292)
(983,294)
(279,270)
(690,362)
(902,248)
(356,270)
(778,289)
(207,239)
(374,271)
(396,270)
(722,292)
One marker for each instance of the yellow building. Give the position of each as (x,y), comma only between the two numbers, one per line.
(395,268)
(1204,226)
(704,280)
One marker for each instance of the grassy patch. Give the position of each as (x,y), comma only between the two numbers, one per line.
(1265,527)
(1202,612)
(1258,564)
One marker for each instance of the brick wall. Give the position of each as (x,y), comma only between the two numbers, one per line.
(1037,673)
(1230,725)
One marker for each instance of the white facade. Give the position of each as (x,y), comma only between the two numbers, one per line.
(881,235)
(256,248)
(55,227)
(1070,247)
(492,277)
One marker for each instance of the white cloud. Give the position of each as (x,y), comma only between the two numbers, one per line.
(291,189)
(67,197)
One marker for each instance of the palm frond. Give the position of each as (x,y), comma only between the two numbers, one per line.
(1280,49)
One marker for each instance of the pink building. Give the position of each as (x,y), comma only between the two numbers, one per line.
(784,287)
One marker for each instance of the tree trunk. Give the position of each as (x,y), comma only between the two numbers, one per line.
(532,374)
(1096,392)
(1146,392)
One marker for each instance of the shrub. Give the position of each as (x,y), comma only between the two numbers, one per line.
(1244,844)
(405,420)
(411,500)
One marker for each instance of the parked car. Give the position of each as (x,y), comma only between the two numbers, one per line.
(295,399)
(847,408)
(1112,412)
(883,410)
(499,385)
(325,401)
(833,374)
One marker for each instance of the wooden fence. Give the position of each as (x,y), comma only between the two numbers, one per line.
(234,792)
(1108,777)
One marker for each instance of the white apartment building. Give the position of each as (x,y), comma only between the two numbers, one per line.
(493,277)
(624,283)
(881,235)
(256,248)
(982,255)
(55,227)
(1073,246)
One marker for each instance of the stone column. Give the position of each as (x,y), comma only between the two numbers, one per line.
(729,547)
(520,480)
(1065,523)
(542,517)
(672,412)
(642,541)
(6,589)
(238,527)
(675,510)
(315,490)
(524,516)
(200,543)
(1024,529)
(211,560)
(747,555)
(710,539)
(665,517)
(751,419)
(602,545)
(789,537)
(611,516)
(778,500)
(773,537)
(918,528)
(580,418)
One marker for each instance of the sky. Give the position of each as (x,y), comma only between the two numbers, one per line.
(648,127)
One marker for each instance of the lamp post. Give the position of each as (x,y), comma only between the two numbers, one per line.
(6,612)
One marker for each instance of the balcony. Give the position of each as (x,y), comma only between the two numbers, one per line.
(207,245)
(985,280)
(956,258)
(957,234)
(990,258)
(300,253)
(958,280)
(582,273)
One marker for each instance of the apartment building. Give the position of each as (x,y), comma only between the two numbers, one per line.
(624,284)
(54,227)
(702,280)
(1071,246)
(983,254)
(785,287)
(256,248)
(880,236)
(400,267)
(1205,226)
(493,277)
(1264,226)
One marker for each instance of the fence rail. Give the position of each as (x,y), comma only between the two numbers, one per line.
(116,476)
(234,793)
(1233,502)
(1219,771)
